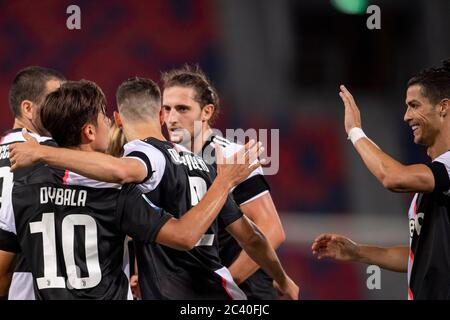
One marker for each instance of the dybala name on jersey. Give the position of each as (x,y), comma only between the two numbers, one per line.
(63,196)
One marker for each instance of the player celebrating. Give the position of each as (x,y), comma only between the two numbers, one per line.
(428,259)
(71,229)
(27,93)
(174,181)
(189,98)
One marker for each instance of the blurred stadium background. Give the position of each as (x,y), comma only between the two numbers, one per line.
(277,65)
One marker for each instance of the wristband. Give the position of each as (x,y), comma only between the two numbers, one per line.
(355,134)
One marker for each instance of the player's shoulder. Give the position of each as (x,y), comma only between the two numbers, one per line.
(146,145)
(444,158)
(70,178)
(15,135)
(181,148)
(45,174)
(39,174)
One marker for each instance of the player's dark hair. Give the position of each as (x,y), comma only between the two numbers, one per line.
(139,98)
(67,110)
(30,84)
(434,82)
(194,77)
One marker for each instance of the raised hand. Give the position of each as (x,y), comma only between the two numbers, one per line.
(352,115)
(239,165)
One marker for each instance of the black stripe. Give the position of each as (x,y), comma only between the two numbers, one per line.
(224,145)
(441,178)
(49,142)
(250,188)
(9,242)
(144,158)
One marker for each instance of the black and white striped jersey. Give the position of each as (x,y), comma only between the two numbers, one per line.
(22,282)
(253,187)
(176,182)
(72,229)
(429,223)
(259,285)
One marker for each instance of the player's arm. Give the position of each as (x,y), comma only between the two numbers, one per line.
(391,173)
(6,262)
(341,248)
(188,230)
(94,165)
(256,245)
(263,213)
(9,246)
(184,233)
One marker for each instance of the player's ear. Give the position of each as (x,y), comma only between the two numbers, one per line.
(207,112)
(161,116)
(444,106)
(117,119)
(88,133)
(26,109)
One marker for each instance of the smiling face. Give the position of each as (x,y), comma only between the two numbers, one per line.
(422,116)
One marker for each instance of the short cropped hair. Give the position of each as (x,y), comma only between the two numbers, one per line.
(139,98)
(68,109)
(435,82)
(30,84)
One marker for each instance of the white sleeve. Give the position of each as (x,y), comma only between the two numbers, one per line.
(7,220)
(152,158)
(445,160)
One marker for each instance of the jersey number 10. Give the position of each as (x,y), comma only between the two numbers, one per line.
(47,227)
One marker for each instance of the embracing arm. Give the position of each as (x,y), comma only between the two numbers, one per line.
(185,232)
(94,165)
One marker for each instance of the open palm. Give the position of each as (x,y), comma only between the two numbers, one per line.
(335,246)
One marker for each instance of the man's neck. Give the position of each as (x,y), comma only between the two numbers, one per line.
(199,141)
(20,123)
(441,144)
(139,131)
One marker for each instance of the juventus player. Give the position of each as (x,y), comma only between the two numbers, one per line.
(71,229)
(427,260)
(176,181)
(27,93)
(189,97)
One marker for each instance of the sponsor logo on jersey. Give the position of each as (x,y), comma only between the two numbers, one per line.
(416,224)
